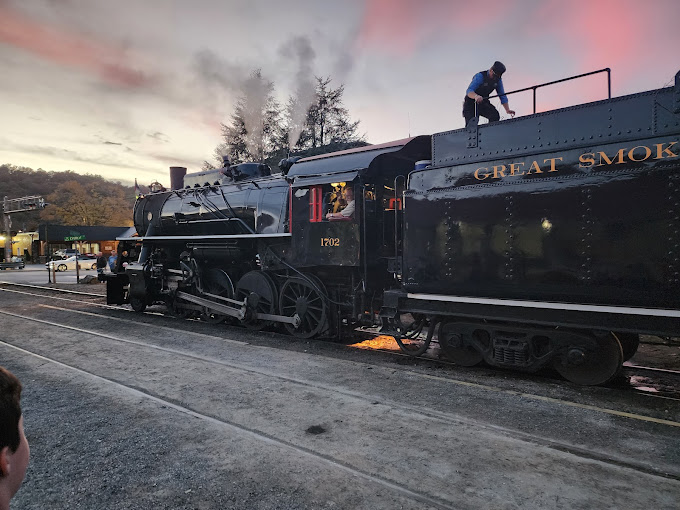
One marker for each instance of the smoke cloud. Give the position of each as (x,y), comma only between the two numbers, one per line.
(300,50)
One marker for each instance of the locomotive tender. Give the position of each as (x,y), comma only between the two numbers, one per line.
(551,239)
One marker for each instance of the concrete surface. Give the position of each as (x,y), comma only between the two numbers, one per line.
(130,411)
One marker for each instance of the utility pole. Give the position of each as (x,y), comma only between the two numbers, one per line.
(15,205)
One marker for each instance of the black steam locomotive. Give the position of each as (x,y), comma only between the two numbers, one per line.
(551,239)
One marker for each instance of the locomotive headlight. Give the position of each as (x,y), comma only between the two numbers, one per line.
(546,224)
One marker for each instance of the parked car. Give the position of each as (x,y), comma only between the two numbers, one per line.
(70,263)
(64,253)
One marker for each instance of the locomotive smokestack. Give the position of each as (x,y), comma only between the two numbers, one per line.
(177,174)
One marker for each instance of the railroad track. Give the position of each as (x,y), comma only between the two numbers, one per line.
(644,380)
(284,378)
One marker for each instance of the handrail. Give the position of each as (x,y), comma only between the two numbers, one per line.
(534,87)
(397,231)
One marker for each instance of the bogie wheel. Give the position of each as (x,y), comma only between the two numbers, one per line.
(304,296)
(262,296)
(61,267)
(414,344)
(137,304)
(451,342)
(216,281)
(590,367)
(629,343)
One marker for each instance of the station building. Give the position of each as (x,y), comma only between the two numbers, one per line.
(38,246)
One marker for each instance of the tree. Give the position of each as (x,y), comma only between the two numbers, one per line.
(72,203)
(314,121)
(17,182)
(328,120)
(254,132)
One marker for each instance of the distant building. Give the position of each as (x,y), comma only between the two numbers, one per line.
(85,239)
(25,244)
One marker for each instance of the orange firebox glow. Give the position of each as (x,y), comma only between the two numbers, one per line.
(384,342)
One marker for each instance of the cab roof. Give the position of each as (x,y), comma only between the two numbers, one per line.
(407,149)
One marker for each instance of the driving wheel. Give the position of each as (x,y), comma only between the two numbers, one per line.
(304,296)
(260,290)
(452,343)
(216,281)
(590,367)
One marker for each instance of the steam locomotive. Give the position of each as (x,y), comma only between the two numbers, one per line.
(547,240)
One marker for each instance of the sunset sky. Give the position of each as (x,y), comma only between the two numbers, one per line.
(127,88)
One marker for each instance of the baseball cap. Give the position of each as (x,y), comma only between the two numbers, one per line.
(498,68)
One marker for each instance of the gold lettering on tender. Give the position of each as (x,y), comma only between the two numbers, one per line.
(514,168)
(485,175)
(660,151)
(631,153)
(552,163)
(586,160)
(620,155)
(534,166)
(497,174)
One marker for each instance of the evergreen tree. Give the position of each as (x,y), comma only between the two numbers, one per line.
(254,131)
(328,120)
(260,131)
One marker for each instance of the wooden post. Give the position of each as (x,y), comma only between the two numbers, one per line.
(78,244)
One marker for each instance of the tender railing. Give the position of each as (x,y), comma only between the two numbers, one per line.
(535,87)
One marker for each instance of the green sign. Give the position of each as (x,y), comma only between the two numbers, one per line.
(74,238)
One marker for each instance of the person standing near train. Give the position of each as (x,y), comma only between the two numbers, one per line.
(482,85)
(112,261)
(101,263)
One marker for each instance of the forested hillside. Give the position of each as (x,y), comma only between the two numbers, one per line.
(73,199)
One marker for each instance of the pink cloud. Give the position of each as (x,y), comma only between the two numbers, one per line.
(401,26)
(631,37)
(110,63)
(595,34)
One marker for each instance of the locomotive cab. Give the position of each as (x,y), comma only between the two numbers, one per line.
(322,234)
(345,215)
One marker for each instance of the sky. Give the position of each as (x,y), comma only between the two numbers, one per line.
(127,88)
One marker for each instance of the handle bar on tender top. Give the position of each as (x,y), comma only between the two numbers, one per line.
(534,87)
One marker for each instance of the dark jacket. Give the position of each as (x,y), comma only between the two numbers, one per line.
(488,85)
